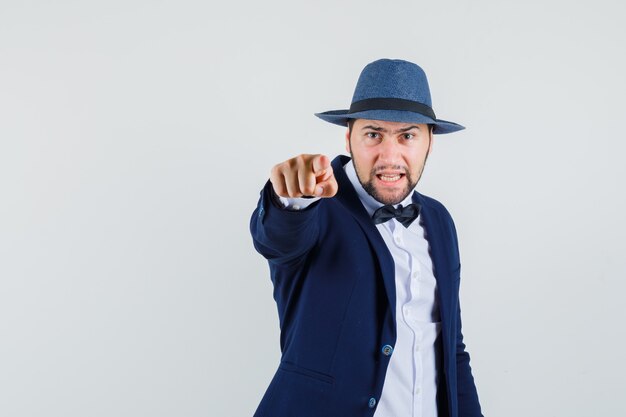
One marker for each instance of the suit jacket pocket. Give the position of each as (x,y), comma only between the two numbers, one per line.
(292,368)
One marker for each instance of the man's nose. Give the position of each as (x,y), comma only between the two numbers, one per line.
(389,151)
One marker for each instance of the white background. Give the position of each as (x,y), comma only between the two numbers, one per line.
(135,137)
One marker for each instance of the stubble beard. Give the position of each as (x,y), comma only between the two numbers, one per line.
(371,189)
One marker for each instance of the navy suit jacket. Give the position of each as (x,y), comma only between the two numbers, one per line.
(334,287)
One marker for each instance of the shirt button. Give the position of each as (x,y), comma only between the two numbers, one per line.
(372,402)
(417,390)
(407,311)
(417,348)
(414,275)
(387,350)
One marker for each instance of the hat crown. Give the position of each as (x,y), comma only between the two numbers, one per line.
(392,90)
(393,78)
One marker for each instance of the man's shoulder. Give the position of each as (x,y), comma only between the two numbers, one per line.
(437,207)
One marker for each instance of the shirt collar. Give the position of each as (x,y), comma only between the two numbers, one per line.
(369,202)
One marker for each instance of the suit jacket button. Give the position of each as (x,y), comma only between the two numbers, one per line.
(387,350)
(372,402)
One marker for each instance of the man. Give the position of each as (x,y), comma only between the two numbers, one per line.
(366,273)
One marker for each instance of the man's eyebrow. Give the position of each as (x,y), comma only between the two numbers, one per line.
(376,128)
(406,129)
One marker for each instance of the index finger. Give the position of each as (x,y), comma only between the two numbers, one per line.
(320,164)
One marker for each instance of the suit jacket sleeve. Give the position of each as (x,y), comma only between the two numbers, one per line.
(283,236)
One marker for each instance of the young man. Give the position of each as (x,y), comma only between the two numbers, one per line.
(365,269)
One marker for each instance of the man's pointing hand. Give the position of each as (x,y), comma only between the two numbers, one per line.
(304,175)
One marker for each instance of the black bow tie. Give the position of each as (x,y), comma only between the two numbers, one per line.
(404,215)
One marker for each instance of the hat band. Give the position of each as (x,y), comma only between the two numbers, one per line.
(391,104)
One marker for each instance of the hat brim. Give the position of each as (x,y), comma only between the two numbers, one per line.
(341,117)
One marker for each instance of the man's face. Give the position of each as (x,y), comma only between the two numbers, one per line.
(389,157)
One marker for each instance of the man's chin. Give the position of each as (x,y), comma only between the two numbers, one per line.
(389,200)
(388,197)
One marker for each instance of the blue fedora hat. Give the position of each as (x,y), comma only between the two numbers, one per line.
(392,90)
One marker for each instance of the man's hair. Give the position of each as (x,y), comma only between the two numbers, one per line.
(351,123)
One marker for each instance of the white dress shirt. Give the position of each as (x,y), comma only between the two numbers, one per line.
(410,386)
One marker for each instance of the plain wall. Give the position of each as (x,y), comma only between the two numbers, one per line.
(135,137)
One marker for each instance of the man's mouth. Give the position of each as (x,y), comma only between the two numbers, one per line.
(389,177)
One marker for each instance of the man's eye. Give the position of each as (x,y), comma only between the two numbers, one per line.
(408,136)
(372,135)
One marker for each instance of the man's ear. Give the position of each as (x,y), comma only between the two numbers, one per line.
(348,140)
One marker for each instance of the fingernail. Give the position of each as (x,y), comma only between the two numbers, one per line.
(319,190)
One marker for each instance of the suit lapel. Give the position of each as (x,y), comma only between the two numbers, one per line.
(436,235)
(348,197)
